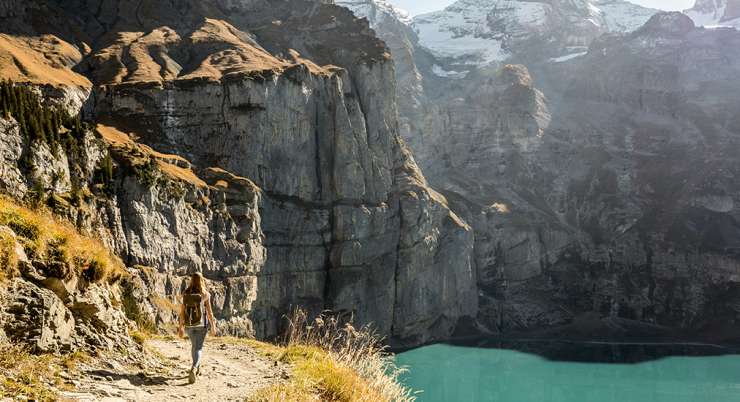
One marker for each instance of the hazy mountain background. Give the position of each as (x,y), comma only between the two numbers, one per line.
(416,7)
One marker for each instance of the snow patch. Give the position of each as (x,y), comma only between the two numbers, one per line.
(441,72)
(568,57)
(622,16)
(376,11)
(477,32)
(710,14)
(461,32)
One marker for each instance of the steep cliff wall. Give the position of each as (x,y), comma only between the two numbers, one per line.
(608,198)
(266,157)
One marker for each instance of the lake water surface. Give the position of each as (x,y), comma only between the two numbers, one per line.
(572,373)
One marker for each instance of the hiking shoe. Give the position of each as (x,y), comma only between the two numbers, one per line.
(197,372)
(191,376)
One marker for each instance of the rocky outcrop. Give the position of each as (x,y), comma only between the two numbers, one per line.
(12,181)
(38,316)
(50,312)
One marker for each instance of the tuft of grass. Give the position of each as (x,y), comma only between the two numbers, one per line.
(165,304)
(299,389)
(140,337)
(72,360)
(333,362)
(35,377)
(63,250)
(8,256)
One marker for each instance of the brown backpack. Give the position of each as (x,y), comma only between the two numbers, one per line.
(193,309)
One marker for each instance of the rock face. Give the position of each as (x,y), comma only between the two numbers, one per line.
(266,157)
(394,27)
(595,176)
(599,186)
(51,314)
(563,167)
(458,49)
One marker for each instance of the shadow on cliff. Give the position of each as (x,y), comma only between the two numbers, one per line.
(590,339)
(632,352)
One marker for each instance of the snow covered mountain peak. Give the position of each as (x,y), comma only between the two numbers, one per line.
(713,13)
(376,11)
(480,32)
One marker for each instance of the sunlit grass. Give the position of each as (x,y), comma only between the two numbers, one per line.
(66,252)
(333,362)
(8,256)
(35,377)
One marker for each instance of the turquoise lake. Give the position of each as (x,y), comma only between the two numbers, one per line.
(573,373)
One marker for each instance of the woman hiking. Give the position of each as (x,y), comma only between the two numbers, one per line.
(196,318)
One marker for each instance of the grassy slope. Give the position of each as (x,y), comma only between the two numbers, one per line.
(66,253)
(332,361)
(22,373)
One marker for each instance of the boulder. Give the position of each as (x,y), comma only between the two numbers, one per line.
(36,316)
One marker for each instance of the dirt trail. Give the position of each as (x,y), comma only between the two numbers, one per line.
(229,372)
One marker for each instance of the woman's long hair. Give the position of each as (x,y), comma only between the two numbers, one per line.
(197,285)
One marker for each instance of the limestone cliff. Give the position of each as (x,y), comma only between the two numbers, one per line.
(256,142)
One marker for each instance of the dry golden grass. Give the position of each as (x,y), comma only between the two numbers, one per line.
(218,49)
(500,208)
(333,362)
(41,60)
(164,303)
(34,377)
(8,256)
(47,238)
(186,175)
(169,164)
(243,54)
(312,67)
(119,139)
(140,337)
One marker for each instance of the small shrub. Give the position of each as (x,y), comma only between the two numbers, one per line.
(75,195)
(132,310)
(58,264)
(146,172)
(37,195)
(104,174)
(94,272)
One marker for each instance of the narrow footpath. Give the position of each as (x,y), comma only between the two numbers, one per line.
(229,372)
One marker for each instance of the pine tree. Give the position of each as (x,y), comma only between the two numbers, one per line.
(38,122)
